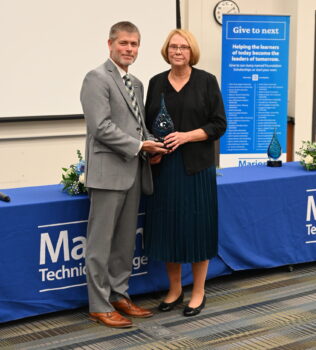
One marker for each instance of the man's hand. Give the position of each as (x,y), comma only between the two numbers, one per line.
(154,147)
(155,159)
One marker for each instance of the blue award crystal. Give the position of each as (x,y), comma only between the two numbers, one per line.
(163,124)
(274,151)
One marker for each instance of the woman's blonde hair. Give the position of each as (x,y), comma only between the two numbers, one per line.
(194,47)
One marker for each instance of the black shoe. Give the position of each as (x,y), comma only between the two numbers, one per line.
(193,311)
(169,306)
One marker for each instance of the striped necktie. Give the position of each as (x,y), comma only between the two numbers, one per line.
(131,92)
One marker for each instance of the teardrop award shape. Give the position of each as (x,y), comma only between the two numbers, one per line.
(163,124)
(274,152)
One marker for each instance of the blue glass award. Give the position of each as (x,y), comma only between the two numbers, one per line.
(274,152)
(163,124)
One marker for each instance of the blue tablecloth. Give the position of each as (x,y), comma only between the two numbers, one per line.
(263,216)
(266,219)
(42,254)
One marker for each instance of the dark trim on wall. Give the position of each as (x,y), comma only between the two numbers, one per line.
(40,118)
(178,14)
(314,92)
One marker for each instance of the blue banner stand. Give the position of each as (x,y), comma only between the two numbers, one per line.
(255,50)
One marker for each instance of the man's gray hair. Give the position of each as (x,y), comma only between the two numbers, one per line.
(123,26)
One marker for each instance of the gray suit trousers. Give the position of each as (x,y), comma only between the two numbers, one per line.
(110,244)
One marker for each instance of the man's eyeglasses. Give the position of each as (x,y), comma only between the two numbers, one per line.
(175,48)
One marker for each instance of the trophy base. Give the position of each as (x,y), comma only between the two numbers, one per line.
(274,163)
(161,139)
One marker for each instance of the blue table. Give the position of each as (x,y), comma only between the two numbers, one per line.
(267,218)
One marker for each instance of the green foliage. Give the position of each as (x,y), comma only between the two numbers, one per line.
(73,177)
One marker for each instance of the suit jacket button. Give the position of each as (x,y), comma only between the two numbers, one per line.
(138,129)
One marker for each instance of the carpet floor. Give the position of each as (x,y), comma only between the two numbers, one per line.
(249,310)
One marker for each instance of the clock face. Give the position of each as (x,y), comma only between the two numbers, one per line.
(224,7)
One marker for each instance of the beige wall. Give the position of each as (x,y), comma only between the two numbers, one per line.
(47,48)
(33,153)
(303,89)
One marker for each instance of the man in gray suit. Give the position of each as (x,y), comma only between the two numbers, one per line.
(117,170)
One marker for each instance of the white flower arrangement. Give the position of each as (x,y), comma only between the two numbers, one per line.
(307,153)
(73,177)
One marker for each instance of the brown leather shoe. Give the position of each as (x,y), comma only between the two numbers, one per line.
(131,309)
(111,319)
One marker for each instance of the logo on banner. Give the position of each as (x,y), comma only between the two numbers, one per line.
(140,261)
(62,255)
(311,217)
(244,162)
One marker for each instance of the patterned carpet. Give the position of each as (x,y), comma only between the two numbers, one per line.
(251,310)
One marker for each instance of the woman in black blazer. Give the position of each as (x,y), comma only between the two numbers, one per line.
(181,215)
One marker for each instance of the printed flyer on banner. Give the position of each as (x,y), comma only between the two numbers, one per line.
(255,50)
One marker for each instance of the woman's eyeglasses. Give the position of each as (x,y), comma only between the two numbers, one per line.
(175,48)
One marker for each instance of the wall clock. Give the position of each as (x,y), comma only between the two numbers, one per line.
(224,7)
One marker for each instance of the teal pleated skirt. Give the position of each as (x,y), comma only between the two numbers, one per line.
(181,223)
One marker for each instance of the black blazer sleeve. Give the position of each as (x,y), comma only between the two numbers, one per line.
(216,119)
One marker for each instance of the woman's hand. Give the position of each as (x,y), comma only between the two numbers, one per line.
(155,159)
(175,139)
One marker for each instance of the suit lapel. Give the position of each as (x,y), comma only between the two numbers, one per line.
(120,84)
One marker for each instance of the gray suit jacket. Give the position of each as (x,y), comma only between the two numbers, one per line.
(113,132)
